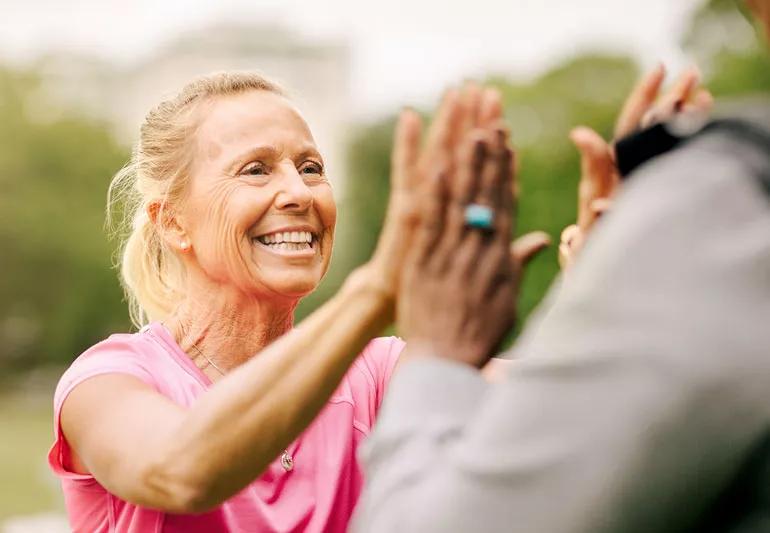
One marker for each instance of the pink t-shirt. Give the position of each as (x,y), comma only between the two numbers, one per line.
(319,494)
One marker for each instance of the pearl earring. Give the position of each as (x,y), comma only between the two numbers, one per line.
(184,245)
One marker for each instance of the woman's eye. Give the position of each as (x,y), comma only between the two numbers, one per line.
(311,168)
(254,169)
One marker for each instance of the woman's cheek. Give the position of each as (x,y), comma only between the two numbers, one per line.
(326,207)
(225,236)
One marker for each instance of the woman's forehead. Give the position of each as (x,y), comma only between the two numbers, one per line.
(252,118)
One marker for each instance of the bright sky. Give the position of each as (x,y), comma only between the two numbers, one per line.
(404,51)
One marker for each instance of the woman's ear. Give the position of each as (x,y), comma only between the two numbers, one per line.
(166,220)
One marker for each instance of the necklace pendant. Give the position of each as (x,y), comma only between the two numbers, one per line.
(287,461)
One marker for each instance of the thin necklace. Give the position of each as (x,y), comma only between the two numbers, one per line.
(209,361)
(287,461)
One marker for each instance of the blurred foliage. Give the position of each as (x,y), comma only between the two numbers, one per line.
(58,293)
(729,48)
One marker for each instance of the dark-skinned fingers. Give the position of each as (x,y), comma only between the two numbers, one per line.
(432,218)
(463,259)
(504,194)
(526,247)
(468,167)
(502,303)
(492,175)
(490,269)
(406,149)
(500,137)
(639,102)
(510,192)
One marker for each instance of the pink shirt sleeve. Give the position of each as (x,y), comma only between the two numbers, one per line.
(380,357)
(113,355)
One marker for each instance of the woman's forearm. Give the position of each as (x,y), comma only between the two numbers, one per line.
(241,425)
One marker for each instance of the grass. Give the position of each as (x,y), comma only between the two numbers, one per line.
(26,485)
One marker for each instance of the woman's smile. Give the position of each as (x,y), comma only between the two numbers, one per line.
(295,242)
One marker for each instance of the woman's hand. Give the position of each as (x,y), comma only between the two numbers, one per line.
(457,295)
(599,180)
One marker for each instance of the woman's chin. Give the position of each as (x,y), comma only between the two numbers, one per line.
(292,289)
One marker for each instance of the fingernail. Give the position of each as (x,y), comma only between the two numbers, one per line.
(579,135)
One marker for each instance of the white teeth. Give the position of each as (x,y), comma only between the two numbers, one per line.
(299,237)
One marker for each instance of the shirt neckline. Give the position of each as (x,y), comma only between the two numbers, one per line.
(167,341)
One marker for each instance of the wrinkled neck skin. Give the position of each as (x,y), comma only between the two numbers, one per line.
(228,326)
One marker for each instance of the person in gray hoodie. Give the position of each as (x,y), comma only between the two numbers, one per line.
(641,400)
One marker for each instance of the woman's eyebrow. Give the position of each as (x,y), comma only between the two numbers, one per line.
(309,151)
(266,151)
(269,151)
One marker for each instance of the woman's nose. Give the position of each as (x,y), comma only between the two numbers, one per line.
(294,194)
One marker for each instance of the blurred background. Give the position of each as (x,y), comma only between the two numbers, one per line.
(76,79)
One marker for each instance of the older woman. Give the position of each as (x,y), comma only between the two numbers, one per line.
(218,415)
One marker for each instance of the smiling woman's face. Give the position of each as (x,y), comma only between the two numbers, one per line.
(259,212)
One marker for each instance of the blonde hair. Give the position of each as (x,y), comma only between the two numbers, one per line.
(151,273)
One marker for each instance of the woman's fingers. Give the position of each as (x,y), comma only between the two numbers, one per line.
(701,102)
(570,243)
(600,206)
(569,233)
(639,102)
(684,90)
(491,110)
(471,106)
(440,134)
(598,175)
(406,149)
(680,92)
(526,247)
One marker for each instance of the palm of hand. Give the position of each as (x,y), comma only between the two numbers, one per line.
(600,180)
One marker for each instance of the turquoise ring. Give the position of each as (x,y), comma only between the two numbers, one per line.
(479,216)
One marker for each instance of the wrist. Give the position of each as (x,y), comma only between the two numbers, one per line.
(365,282)
(460,351)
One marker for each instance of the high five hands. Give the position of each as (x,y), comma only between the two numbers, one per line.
(599,179)
(461,274)
(454,277)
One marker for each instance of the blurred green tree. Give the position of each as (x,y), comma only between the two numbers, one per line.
(58,293)
(729,49)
